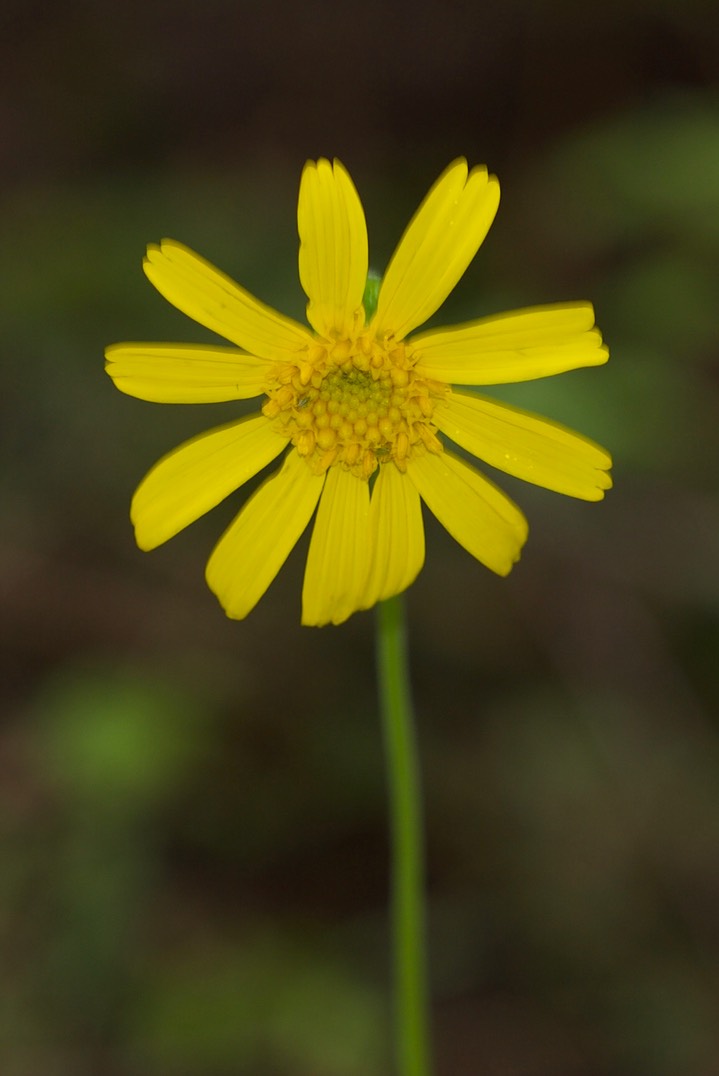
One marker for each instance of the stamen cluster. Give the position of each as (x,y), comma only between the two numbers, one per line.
(354,402)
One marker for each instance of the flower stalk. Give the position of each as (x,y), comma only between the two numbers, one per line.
(408,915)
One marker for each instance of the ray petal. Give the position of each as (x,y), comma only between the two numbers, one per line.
(185,373)
(517,346)
(339,554)
(397,535)
(477,514)
(209,297)
(252,550)
(526,445)
(198,475)
(333,248)
(435,250)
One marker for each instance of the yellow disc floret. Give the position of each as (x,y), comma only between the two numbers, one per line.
(355,402)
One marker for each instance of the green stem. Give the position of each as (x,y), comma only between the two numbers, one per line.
(408,909)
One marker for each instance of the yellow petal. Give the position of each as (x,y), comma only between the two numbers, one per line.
(333,248)
(397,535)
(252,550)
(198,475)
(438,245)
(517,346)
(185,373)
(477,514)
(338,557)
(526,445)
(209,297)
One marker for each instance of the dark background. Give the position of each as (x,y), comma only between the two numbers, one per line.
(193,860)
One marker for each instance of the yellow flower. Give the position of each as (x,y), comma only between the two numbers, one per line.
(363,407)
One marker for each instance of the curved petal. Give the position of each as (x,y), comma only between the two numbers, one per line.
(526,445)
(185,373)
(517,346)
(198,475)
(209,297)
(333,248)
(435,250)
(338,558)
(397,535)
(477,514)
(252,550)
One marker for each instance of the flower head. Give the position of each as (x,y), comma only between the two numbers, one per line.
(359,407)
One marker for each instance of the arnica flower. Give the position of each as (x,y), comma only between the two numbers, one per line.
(360,408)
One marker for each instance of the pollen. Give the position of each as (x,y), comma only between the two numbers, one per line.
(354,402)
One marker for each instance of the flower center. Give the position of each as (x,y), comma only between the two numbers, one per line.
(355,402)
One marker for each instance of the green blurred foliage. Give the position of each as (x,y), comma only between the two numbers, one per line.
(193,873)
(277,1003)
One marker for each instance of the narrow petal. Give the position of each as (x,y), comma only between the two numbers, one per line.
(397,535)
(518,346)
(438,245)
(477,514)
(252,550)
(185,373)
(333,248)
(209,297)
(338,559)
(526,445)
(198,475)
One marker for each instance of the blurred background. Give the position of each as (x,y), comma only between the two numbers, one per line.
(193,851)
